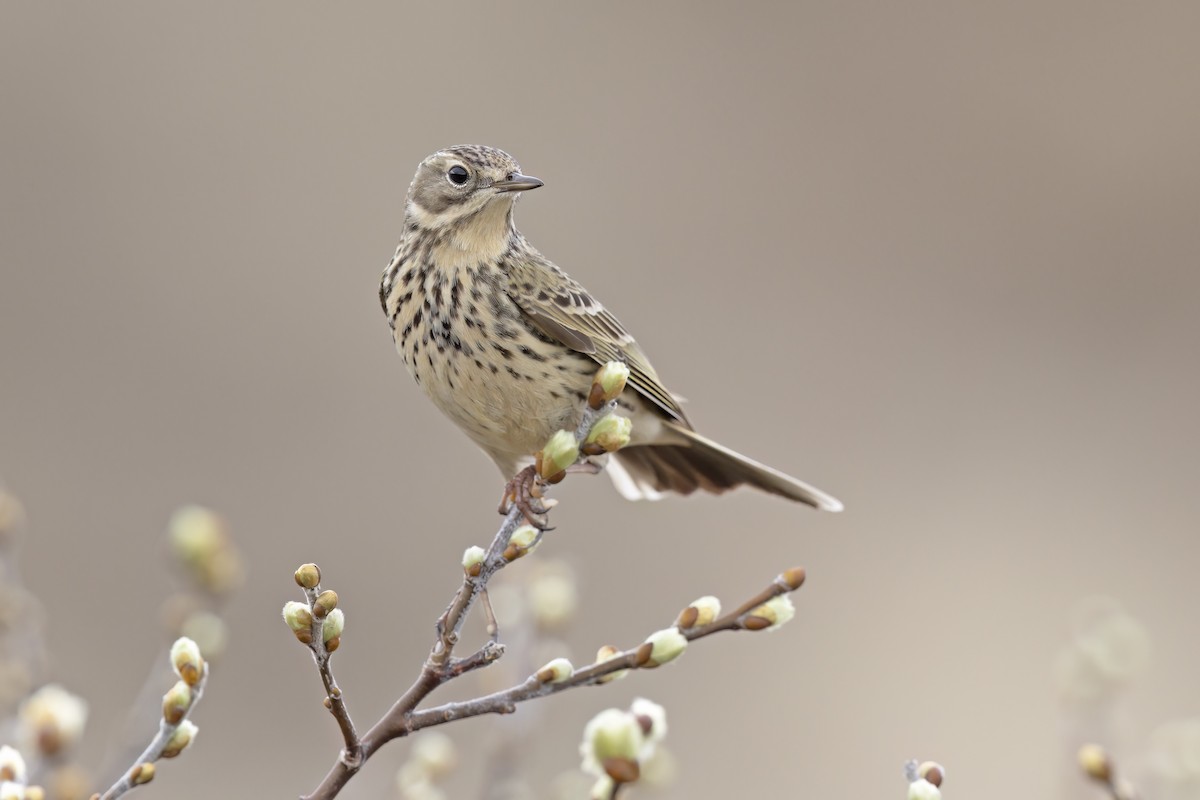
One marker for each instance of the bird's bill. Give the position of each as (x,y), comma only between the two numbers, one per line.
(517,183)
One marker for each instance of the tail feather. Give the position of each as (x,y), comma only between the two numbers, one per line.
(693,462)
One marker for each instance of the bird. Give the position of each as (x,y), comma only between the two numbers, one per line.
(506,344)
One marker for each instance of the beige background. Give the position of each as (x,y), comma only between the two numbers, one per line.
(938,258)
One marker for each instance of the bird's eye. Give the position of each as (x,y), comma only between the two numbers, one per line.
(458,175)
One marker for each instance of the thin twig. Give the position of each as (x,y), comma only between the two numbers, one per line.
(505,702)
(157,745)
(334,701)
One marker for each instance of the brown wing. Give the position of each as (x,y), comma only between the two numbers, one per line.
(563,310)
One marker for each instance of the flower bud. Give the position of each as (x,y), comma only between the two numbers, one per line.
(922,789)
(607,653)
(185,658)
(933,772)
(701,612)
(472,560)
(326,602)
(794,577)
(653,719)
(11,790)
(1095,762)
(208,631)
(555,671)
(665,645)
(12,765)
(141,774)
(51,720)
(333,625)
(176,703)
(308,576)
(553,598)
(180,739)
(523,541)
(559,453)
(35,793)
(771,615)
(608,384)
(435,752)
(297,616)
(612,741)
(196,533)
(611,433)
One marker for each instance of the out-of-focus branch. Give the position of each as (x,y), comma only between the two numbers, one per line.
(175,730)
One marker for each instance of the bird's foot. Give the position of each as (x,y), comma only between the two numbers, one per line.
(525,492)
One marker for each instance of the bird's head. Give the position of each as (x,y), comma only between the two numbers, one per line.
(463,182)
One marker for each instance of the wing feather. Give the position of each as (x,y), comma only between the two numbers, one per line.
(562,309)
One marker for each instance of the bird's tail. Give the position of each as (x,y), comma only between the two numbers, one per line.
(691,462)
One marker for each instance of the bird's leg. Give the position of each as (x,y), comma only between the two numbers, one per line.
(524,492)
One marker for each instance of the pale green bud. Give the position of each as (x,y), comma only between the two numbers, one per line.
(771,615)
(141,774)
(556,671)
(612,734)
(180,739)
(1095,762)
(176,703)
(611,433)
(559,453)
(608,653)
(665,645)
(12,765)
(51,720)
(608,384)
(653,719)
(701,612)
(333,625)
(196,533)
(523,541)
(436,752)
(922,789)
(185,658)
(473,558)
(297,615)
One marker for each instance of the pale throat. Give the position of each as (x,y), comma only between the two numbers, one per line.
(481,238)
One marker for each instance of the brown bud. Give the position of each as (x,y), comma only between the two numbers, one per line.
(326,601)
(333,644)
(304,635)
(642,657)
(622,770)
(328,703)
(308,576)
(932,772)
(794,578)
(141,774)
(1095,763)
(753,623)
(687,617)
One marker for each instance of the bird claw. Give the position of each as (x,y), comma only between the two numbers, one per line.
(525,493)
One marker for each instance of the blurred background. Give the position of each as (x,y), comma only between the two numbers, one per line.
(940,259)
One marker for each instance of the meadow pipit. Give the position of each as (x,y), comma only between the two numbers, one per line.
(506,344)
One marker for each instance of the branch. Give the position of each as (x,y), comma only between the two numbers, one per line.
(175,731)
(599,431)
(318,623)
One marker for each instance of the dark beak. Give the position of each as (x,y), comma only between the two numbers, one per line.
(516,182)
